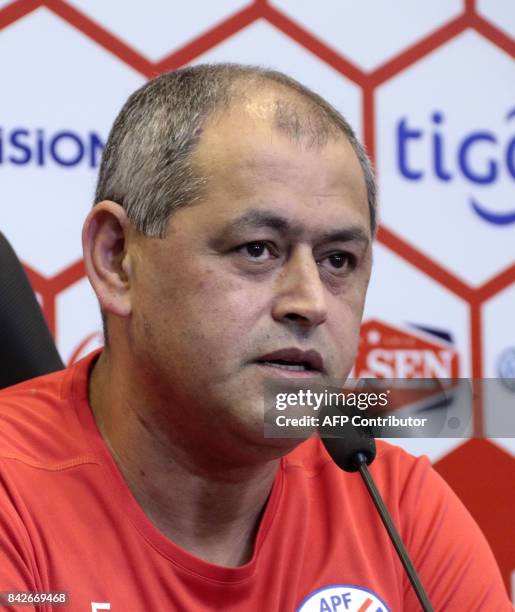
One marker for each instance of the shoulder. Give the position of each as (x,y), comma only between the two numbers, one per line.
(446,546)
(39,421)
(392,463)
(413,491)
(405,481)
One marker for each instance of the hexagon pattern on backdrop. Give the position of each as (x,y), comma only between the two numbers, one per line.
(151,27)
(52,135)
(450,167)
(349,26)
(429,86)
(500,13)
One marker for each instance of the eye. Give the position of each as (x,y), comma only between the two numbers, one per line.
(258,250)
(339,262)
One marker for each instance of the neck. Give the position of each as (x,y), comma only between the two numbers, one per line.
(193,494)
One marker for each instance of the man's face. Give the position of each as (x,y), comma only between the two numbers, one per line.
(265,278)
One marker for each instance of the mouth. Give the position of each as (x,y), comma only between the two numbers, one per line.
(293,361)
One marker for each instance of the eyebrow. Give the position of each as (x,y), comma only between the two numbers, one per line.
(259,219)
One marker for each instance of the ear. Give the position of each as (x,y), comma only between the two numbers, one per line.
(107,261)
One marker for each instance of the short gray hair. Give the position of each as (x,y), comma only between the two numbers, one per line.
(147,165)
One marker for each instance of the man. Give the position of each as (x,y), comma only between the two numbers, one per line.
(230,245)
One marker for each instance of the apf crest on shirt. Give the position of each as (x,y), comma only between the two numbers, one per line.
(343,597)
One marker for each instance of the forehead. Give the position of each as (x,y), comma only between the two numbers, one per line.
(246,160)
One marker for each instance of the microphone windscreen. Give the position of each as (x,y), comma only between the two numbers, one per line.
(343,444)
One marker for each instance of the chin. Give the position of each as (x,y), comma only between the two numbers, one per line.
(270,449)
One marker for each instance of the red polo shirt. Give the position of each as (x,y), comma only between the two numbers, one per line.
(68,522)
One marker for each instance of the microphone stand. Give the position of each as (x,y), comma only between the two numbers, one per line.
(360,461)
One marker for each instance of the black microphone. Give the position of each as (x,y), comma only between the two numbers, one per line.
(352,452)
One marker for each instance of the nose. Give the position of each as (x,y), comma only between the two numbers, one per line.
(300,294)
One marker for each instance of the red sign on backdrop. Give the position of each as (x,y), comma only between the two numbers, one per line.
(386,351)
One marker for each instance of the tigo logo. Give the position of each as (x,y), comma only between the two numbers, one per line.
(480,158)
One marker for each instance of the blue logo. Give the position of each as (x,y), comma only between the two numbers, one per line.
(22,146)
(506,368)
(480,159)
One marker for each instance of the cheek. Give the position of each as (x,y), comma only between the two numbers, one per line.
(233,305)
(344,324)
(357,294)
(346,329)
(214,307)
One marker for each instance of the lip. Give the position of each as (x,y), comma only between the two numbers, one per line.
(311,357)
